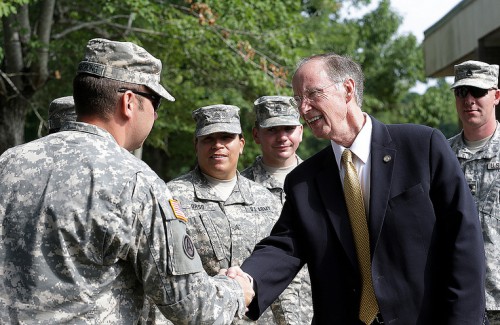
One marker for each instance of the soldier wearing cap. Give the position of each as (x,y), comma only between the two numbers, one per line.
(61,110)
(477,147)
(228,214)
(278,131)
(88,230)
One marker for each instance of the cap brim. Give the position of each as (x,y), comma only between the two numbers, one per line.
(219,127)
(161,91)
(473,83)
(279,121)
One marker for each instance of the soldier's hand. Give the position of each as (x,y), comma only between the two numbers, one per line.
(233,272)
(245,281)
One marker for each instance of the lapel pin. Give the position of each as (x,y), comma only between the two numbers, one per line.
(387,158)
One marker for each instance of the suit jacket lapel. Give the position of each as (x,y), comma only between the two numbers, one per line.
(383,158)
(330,185)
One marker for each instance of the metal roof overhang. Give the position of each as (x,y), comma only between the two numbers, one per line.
(470,31)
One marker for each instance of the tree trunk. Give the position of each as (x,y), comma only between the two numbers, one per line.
(22,77)
(12,120)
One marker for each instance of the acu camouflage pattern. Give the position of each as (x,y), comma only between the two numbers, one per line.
(482,172)
(257,173)
(87,232)
(123,61)
(275,111)
(296,302)
(225,233)
(476,74)
(61,110)
(217,118)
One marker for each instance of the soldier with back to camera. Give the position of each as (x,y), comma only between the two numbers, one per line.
(88,230)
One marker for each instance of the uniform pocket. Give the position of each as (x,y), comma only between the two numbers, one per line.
(207,219)
(489,207)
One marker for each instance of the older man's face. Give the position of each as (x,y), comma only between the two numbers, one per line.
(323,105)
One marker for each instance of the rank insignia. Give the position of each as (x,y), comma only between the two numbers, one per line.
(176,208)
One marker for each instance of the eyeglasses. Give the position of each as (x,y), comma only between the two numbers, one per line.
(155,99)
(310,95)
(462,91)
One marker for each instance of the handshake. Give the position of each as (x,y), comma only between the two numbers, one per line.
(245,281)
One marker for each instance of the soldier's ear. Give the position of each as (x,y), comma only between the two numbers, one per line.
(497,97)
(242,145)
(255,134)
(126,104)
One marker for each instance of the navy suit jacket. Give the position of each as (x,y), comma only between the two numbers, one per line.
(425,237)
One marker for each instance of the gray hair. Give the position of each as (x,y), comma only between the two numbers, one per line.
(340,68)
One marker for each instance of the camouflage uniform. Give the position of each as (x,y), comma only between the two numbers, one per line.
(257,173)
(88,229)
(225,233)
(278,111)
(482,172)
(90,232)
(297,304)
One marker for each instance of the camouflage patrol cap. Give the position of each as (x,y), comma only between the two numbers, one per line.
(476,74)
(275,111)
(61,110)
(217,118)
(123,61)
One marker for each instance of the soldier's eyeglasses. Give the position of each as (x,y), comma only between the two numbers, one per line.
(155,99)
(462,91)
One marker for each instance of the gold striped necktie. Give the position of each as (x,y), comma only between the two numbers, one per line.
(354,200)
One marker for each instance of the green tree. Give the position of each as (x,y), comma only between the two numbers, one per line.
(229,52)
(392,63)
(435,108)
(213,52)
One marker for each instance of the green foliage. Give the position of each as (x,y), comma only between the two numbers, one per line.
(8,7)
(392,64)
(435,108)
(233,52)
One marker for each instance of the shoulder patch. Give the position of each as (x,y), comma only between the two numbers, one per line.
(188,246)
(176,208)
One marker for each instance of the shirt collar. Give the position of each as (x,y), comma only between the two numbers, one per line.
(361,145)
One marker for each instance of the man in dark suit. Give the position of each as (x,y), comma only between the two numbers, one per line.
(425,242)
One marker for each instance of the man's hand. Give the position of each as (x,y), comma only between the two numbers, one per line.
(245,281)
(233,272)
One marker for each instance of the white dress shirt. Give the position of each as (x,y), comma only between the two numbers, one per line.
(361,159)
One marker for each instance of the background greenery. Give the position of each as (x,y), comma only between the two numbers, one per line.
(216,51)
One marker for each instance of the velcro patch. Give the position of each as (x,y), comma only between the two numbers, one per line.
(494,165)
(176,208)
(188,246)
